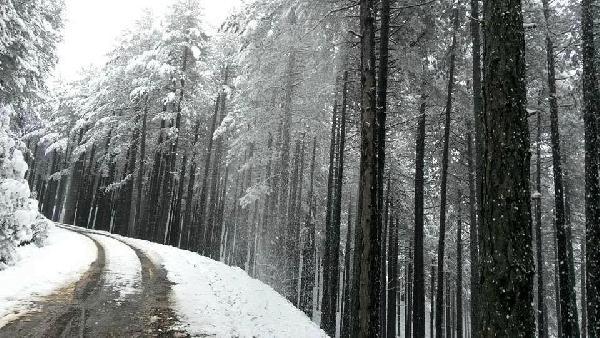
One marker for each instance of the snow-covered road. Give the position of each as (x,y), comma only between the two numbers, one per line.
(101,284)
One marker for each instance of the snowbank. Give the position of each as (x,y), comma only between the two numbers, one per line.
(42,270)
(213,299)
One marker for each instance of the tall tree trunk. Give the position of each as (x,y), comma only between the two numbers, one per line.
(507,267)
(295,260)
(211,243)
(137,216)
(73,191)
(473,238)
(62,186)
(328,313)
(409,293)
(419,273)
(477,166)
(538,233)
(308,248)
(459,268)
(432,301)
(559,323)
(591,102)
(334,247)
(392,278)
(444,181)
(345,330)
(197,231)
(127,191)
(382,84)
(152,212)
(583,292)
(368,206)
(189,197)
(567,291)
(49,197)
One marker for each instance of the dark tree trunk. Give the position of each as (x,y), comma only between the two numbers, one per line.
(295,259)
(538,234)
(383,261)
(432,300)
(176,226)
(382,87)
(50,193)
(567,291)
(308,248)
(137,216)
(62,186)
(197,231)
(392,278)
(409,293)
(447,310)
(476,167)
(507,267)
(328,313)
(368,206)
(459,268)
(73,191)
(331,288)
(583,292)
(444,182)
(559,323)
(591,102)
(419,273)
(345,329)
(473,237)
(187,216)
(152,202)
(127,196)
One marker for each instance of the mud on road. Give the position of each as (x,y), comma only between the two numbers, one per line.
(91,307)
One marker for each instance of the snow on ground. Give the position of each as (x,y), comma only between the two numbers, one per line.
(213,299)
(40,271)
(123,268)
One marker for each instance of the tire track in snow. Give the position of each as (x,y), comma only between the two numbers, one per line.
(97,306)
(154,299)
(56,313)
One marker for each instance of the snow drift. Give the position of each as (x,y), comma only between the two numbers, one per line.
(214,299)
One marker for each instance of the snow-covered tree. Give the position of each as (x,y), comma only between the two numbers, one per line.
(20,221)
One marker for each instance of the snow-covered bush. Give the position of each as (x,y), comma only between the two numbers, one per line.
(20,221)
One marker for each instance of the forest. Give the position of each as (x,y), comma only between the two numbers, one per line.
(391,167)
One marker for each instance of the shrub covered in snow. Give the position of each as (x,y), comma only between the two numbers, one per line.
(20,221)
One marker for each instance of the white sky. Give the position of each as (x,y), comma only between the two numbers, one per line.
(92,26)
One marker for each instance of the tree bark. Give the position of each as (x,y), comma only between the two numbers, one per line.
(538,233)
(506,287)
(477,167)
(591,102)
(368,206)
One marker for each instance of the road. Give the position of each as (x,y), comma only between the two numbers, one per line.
(92,307)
